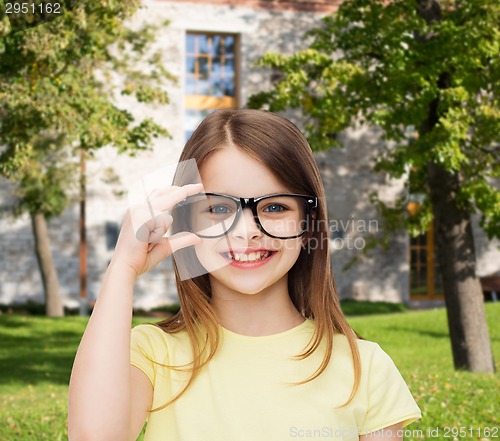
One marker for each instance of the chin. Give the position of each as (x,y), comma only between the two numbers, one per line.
(249,291)
(246,286)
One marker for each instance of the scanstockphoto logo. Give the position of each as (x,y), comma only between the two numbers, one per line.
(19,15)
(348,233)
(343,233)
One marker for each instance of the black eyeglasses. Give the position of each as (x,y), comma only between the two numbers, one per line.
(282,216)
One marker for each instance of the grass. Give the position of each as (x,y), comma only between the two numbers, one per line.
(350,307)
(419,344)
(36,355)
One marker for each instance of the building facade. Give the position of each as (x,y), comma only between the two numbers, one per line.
(211,46)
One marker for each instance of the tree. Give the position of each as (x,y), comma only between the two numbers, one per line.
(424,66)
(58,87)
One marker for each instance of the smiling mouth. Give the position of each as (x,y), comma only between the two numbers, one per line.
(255,256)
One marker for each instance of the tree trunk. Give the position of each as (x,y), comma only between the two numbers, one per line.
(457,261)
(53,302)
(470,341)
(84,301)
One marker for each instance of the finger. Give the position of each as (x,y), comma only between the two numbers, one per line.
(163,199)
(161,250)
(183,240)
(147,217)
(161,225)
(158,252)
(153,229)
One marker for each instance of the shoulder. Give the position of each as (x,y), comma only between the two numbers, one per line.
(377,367)
(147,338)
(147,330)
(367,349)
(147,333)
(375,362)
(154,340)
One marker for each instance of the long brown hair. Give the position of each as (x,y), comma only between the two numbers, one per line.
(279,145)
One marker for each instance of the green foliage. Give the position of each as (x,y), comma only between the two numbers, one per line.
(349,307)
(58,87)
(37,353)
(357,307)
(431,84)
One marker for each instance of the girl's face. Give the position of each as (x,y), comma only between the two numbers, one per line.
(231,171)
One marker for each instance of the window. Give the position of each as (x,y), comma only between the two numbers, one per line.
(425,279)
(211,76)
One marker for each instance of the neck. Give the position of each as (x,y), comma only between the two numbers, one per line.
(264,313)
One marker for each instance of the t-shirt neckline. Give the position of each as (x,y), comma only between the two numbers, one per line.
(256,338)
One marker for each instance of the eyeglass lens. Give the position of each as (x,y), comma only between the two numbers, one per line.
(281,216)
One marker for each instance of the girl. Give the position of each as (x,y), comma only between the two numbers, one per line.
(260,349)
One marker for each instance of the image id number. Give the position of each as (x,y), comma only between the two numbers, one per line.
(25,8)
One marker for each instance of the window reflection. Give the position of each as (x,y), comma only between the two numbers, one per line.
(210,65)
(190,47)
(210,78)
(190,65)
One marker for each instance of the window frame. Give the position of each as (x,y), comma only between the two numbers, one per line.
(430,263)
(208,102)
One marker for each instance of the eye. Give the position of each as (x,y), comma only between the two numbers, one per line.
(275,208)
(219,209)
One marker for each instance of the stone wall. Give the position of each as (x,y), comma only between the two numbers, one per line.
(109,174)
(349,179)
(346,173)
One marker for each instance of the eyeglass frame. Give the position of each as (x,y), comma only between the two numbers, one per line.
(242,203)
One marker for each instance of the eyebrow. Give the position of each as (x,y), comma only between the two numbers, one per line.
(254,197)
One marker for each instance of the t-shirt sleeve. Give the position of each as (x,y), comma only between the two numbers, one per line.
(389,399)
(145,345)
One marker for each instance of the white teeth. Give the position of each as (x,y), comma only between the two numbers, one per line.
(252,257)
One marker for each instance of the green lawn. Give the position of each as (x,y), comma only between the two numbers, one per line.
(36,355)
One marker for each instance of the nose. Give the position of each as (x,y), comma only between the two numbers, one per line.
(246,227)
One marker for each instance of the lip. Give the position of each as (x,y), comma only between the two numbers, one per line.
(247,265)
(245,250)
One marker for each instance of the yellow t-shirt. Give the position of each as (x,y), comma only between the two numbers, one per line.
(243,394)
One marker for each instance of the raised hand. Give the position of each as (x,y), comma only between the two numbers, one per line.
(141,244)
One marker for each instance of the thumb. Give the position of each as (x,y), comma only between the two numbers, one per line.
(159,251)
(182,240)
